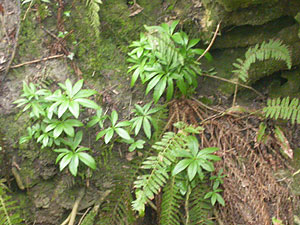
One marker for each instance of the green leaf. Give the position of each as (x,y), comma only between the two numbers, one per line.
(73,165)
(220,199)
(74,123)
(114,117)
(58,130)
(68,86)
(101,134)
(177,38)
(87,103)
(207,151)
(173,26)
(138,125)
(45,140)
(65,161)
(59,157)
(87,160)
(140,144)
(124,124)
(183,153)
(206,165)
(62,108)
(213,199)
(122,133)
(77,139)
(152,83)
(192,170)
(159,89)
(62,150)
(108,135)
(182,86)
(170,89)
(135,76)
(85,93)
(50,127)
(69,130)
(192,43)
(181,166)
(74,108)
(93,121)
(77,87)
(193,145)
(147,127)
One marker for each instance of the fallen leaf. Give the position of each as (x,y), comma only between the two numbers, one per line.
(283,142)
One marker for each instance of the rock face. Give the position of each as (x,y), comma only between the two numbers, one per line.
(245,23)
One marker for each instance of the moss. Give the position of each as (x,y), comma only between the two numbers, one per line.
(106,55)
(290,88)
(30,44)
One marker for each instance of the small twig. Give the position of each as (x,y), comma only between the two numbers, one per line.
(235,94)
(234,82)
(75,207)
(84,214)
(206,106)
(211,42)
(66,220)
(186,205)
(18,178)
(37,60)
(27,10)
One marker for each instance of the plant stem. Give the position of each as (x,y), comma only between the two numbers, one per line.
(186,205)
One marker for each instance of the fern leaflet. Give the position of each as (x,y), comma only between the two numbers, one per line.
(274,49)
(93,10)
(170,207)
(200,208)
(8,214)
(284,109)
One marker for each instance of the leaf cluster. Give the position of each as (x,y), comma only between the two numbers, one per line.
(274,49)
(55,117)
(165,60)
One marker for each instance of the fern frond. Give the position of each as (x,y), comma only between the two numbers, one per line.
(200,209)
(283,109)
(93,7)
(8,213)
(117,209)
(170,207)
(149,185)
(274,49)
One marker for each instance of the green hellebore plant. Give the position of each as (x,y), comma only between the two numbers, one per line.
(143,118)
(71,98)
(71,158)
(115,127)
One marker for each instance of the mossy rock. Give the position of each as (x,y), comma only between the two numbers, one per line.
(231,5)
(290,88)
